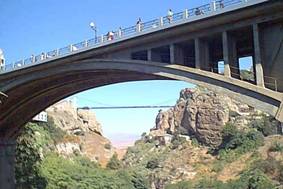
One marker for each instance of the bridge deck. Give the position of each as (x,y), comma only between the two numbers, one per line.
(188,16)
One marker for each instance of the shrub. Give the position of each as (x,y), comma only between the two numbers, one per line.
(28,159)
(107,146)
(152,164)
(114,163)
(266,125)
(271,167)
(276,147)
(177,141)
(195,142)
(180,185)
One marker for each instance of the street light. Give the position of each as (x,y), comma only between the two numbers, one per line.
(93,27)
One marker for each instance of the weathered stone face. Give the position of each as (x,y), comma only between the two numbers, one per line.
(67,117)
(202,114)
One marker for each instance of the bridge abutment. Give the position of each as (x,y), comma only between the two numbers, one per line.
(7,164)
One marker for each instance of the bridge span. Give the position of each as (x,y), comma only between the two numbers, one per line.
(191,48)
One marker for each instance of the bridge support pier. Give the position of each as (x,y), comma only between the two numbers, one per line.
(257,57)
(202,54)
(7,163)
(231,65)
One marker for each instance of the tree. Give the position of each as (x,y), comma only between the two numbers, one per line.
(114,163)
(28,160)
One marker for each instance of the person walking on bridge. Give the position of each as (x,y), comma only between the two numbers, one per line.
(170,16)
(2,60)
(139,25)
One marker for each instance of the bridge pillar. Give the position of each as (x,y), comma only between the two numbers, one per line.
(258,57)
(172,53)
(231,65)
(201,54)
(7,161)
(226,52)
(149,55)
(176,54)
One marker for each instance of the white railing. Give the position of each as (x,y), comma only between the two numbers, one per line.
(125,32)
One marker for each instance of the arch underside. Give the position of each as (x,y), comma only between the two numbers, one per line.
(33,89)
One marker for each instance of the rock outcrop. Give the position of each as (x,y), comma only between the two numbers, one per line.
(202,114)
(66,116)
(84,133)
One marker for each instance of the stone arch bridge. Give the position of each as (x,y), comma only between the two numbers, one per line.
(203,48)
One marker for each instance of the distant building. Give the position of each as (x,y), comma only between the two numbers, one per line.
(41,117)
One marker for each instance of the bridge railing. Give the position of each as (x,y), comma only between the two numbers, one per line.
(126,32)
(244,75)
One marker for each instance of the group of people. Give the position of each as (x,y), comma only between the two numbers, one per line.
(139,25)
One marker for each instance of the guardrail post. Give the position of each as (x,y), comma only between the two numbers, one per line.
(161,21)
(85,43)
(119,32)
(213,6)
(102,38)
(71,48)
(57,52)
(186,14)
(33,59)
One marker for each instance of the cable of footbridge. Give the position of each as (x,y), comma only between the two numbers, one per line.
(121,107)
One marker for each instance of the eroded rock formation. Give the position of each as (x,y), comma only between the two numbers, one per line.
(201,114)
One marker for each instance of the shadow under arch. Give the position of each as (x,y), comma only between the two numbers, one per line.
(33,89)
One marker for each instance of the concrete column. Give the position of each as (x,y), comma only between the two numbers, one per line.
(7,161)
(172,54)
(230,56)
(257,57)
(227,71)
(149,56)
(176,54)
(197,53)
(202,54)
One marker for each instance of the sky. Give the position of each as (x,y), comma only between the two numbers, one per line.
(31,26)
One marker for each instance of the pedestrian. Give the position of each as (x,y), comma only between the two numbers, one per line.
(221,4)
(139,25)
(120,32)
(42,56)
(2,60)
(170,15)
(198,11)
(32,59)
(110,35)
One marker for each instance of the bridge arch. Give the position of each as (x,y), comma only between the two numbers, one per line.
(33,89)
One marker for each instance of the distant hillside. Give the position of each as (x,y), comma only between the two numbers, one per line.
(210,141)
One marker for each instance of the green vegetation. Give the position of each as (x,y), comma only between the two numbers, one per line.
(152,164)
(28,158)
(267,125)
(276,147)
(114,163)
(237,142)
(247,75)
(38,167)
(252,179)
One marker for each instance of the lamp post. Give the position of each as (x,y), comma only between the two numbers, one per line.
(93,27)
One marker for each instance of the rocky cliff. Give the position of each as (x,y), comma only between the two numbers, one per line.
(84,132)
(209,140)
(202,114)
(75,121)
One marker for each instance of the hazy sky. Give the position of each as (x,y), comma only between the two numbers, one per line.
(31,26)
